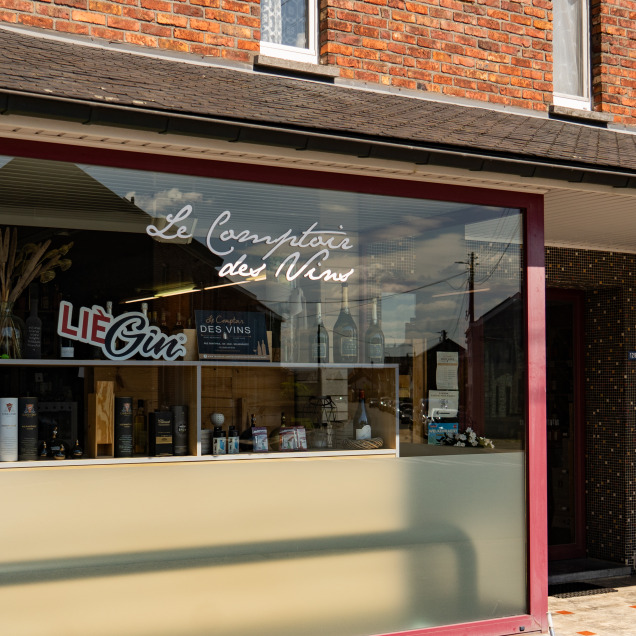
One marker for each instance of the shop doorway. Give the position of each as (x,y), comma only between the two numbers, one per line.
(565,426)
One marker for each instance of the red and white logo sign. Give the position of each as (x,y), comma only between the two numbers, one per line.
(121,337)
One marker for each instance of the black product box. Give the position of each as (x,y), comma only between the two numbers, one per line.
(160,433)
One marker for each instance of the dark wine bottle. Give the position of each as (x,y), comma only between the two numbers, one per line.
(180,429)
(345,333)
(164,323)
(178,326)
(361,426)
(320,339)
(374,338)
(33,338)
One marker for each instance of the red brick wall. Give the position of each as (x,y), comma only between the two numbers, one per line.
(614,58)
(497,51)
(221,28)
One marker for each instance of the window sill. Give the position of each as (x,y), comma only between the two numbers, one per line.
(271,64)
(577,113)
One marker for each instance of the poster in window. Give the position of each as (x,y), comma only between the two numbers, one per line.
(231,335)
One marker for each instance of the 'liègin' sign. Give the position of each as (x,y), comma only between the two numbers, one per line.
(121,337)
(312,247)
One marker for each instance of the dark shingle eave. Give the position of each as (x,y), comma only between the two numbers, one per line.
(59,79)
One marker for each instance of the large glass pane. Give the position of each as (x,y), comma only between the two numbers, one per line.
(297,306)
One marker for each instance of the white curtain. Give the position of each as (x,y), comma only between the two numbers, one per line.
(271,21)
(570,47)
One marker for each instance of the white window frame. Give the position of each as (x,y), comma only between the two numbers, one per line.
(580,102)
(307,55)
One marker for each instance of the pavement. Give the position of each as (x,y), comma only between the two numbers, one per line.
(606,614)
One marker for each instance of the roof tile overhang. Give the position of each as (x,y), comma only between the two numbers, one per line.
(53,78)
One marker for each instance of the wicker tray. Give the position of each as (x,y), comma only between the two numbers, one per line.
(363,444)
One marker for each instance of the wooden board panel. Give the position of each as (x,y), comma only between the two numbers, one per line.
(101,416)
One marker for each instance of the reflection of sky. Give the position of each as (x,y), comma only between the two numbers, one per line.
(430,294)
(396,312)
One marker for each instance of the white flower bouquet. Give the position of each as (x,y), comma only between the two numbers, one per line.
(467,438)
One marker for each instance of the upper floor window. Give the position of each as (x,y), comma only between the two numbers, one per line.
(571,66)
(288,29)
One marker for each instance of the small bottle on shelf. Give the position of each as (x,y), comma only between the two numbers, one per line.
(320,339)
(77,452)
(374,338)
(219,442)
(361,425)
(345,332)
(44,451)
(232,440)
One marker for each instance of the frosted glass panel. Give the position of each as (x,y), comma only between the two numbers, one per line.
(345,546)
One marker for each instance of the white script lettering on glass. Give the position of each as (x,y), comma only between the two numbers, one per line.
(311,238)
(119,338)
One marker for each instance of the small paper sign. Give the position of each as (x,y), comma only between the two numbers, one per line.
(231,335)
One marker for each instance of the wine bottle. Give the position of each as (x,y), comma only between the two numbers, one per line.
(345,332)
(361,426)
(144,311)
(33,339)
(164,323)
(180,429)
(153,319)
(374,338)
(320,339)
(178,326)
(139,428)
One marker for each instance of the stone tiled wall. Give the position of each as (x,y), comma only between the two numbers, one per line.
(609,282)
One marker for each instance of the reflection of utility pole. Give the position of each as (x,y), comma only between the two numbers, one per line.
(471,287)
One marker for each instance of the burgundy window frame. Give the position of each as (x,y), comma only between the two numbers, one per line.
(534,293)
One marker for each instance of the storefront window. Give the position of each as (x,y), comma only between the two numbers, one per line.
(180,313)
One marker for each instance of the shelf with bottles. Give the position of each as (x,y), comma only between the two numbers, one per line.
(79,405)
(319,402)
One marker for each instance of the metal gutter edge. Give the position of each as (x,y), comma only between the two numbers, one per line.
(162,122)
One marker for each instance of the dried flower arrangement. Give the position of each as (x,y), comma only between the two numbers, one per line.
(20,267)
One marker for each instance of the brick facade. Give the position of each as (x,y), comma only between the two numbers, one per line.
(610,393)
(228,29)
(492,51)
(614,58)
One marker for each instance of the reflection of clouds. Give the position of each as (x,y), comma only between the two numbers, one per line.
(166,201)
(406,226)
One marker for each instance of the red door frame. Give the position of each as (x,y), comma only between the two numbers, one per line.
(532,204)
(577,549)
